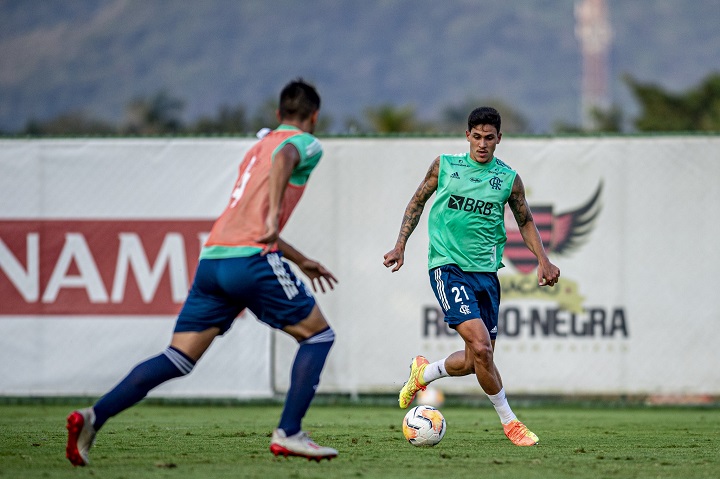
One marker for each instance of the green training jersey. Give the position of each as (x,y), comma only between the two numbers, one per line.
(467,220)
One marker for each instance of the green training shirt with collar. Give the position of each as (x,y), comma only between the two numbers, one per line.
(466,224)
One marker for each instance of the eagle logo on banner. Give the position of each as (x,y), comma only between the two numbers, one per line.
(561,233)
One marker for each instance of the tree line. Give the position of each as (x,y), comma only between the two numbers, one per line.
(696,109)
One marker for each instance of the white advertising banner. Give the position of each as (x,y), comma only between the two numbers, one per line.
(98,243)
(99,239)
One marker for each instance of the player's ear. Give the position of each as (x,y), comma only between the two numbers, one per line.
(499,137)
(277,114)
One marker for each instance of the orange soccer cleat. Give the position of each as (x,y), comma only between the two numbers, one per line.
(519,434)
(414,383)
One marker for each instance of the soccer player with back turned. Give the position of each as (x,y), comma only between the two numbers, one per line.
(240,267)
(467,238)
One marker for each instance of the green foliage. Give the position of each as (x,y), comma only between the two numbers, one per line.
(696,109)
(67,124)
(229,442)
(229,120)
(158,114)
(391,119)
(266,115)
(161,114)
(608,121)
(454,118)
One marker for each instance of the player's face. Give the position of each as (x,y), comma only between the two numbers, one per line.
(483,140)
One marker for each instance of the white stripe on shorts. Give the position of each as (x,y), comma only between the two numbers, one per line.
(441,290)
(283,278)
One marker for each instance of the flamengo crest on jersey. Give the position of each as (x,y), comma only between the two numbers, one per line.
(466,222)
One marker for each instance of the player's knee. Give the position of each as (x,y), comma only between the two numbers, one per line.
(482,354)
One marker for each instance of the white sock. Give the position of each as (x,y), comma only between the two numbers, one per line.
(502,407)
(435,371)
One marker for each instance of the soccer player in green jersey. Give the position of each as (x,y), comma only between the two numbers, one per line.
(467,237)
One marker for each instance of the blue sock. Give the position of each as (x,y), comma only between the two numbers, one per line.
(147,375)
(304,380)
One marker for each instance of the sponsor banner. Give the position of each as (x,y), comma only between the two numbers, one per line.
(96,248)
(97,267)
(619,216)
(99,240)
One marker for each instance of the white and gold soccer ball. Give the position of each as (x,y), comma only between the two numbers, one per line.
(424,426)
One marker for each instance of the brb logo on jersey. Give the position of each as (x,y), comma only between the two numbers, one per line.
(471,205)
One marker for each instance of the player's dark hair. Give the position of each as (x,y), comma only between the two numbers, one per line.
(298,100)
(485,115)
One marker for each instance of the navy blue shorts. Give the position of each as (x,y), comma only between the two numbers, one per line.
(263,284)
(463,296)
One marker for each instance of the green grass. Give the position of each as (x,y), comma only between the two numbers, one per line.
(185,442)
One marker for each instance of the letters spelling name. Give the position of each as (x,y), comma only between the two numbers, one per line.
(551,322)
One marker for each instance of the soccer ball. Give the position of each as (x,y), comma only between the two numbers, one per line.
(424,426)
(431,397)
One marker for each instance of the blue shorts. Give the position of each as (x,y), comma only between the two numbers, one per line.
(224,287)
(463,296)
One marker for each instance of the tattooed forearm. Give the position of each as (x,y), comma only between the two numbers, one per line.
(518,203)
(520,209)
(414,209)
(410,221)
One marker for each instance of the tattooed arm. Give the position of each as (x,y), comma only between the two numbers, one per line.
(548,273)
(396,256)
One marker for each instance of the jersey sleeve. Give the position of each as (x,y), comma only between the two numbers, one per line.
(310,151)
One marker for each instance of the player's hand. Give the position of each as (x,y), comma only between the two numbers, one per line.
(317,273)
(271,235)
(394,257)
(548,274)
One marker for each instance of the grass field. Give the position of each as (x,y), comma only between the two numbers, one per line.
(186,442)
